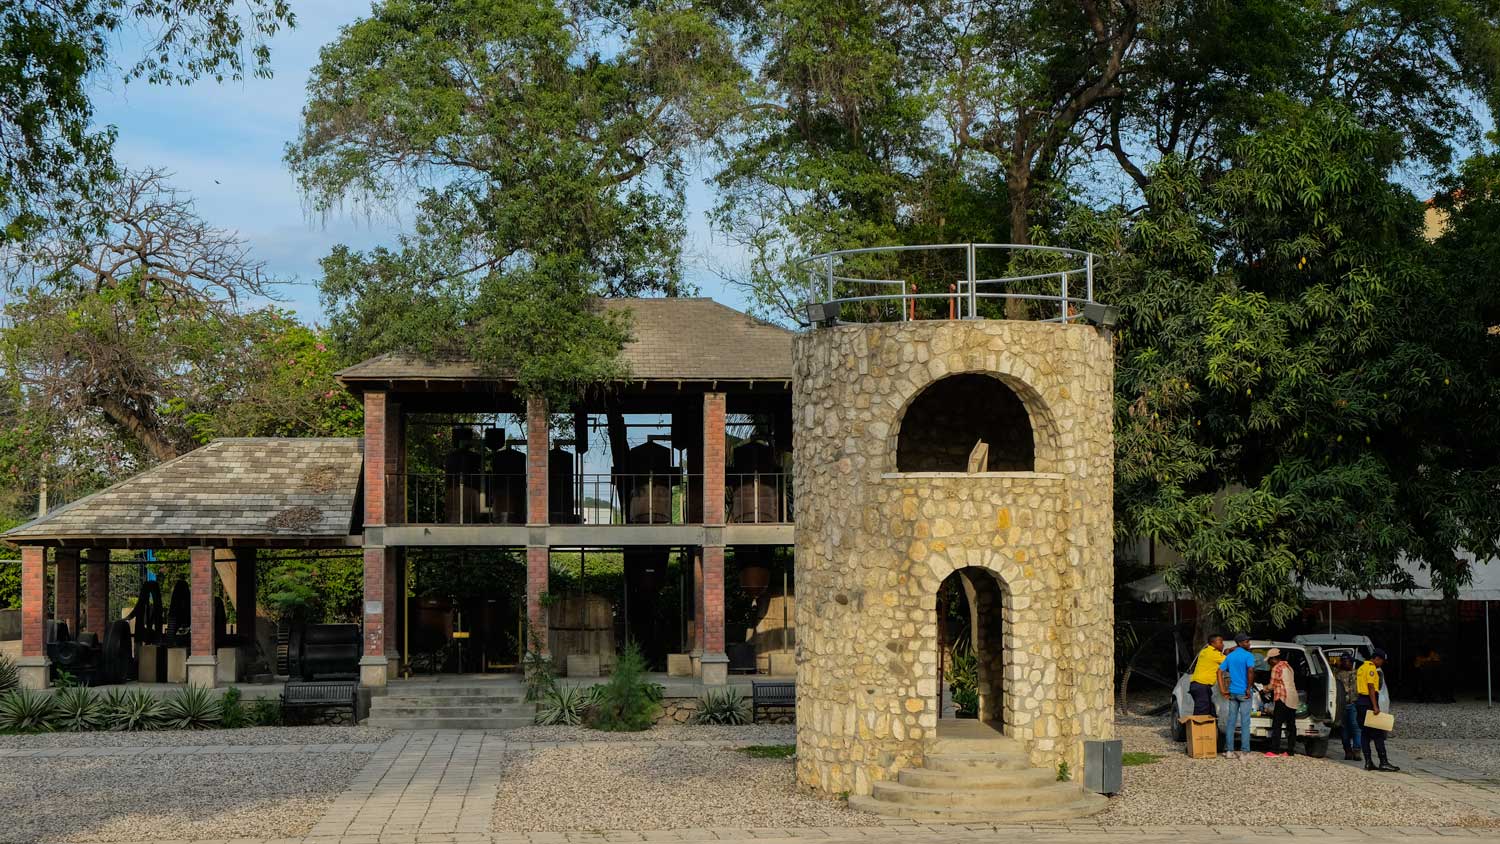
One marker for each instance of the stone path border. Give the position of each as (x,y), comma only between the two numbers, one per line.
(184,750)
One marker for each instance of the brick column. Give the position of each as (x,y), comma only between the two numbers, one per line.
(538,557)
(375,457)
(65,564)
(96,590)
(378,580)
(33,663)
(203,656)
(715,665)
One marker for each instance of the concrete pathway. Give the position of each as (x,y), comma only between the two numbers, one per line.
(1438,780)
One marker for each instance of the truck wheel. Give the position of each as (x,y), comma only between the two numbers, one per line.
(1179,729)
(1317,748)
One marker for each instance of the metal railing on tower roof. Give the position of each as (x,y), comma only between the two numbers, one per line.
(951,281)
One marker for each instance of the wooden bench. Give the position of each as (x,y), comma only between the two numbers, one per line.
(321,696)
(775,694)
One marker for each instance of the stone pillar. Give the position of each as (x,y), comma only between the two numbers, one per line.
(96,591)
(715,664)
(373,667)
(538,557)
(65,564)
(203,655)
(33,662)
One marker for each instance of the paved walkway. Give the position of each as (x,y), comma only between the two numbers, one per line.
(1440,780)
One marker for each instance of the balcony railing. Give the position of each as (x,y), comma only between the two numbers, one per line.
(758,498)
(672,498)
(442,498)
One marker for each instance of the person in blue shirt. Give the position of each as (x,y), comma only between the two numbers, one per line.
(1237,684)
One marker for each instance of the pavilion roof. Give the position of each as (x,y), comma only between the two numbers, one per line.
(241,491)
(673,339)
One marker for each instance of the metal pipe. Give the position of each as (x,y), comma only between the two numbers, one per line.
(1088,265)
(1064,297)
(1489,663)
(973,302)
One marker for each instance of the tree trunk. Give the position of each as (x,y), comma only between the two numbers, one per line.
(1018,184)
(138,426)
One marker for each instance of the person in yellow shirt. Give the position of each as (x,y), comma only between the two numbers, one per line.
(1367,687)
(1206,675)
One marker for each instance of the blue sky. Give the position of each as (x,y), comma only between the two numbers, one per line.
(224,142)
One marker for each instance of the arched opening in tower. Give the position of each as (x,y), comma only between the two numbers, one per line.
(943,425)
(971,644)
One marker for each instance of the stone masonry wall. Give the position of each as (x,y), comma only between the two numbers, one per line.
(874,544)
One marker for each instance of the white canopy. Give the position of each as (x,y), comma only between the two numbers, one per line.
(1485,586)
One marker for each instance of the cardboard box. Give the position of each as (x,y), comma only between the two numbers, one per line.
(1202,736)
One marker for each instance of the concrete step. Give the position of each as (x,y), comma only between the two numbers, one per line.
(976,762)
(446,700)
(1005,778)
(422,710)
(470,723)
(1034,796)
(992,743)
(455,690)
(1085,805)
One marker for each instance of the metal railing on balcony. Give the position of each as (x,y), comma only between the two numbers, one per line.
(652,498)
(443,498)
(671,498)
(758,498)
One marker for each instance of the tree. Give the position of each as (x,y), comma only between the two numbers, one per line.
(52,156)
(138,334)
(542,144)
(1297,400)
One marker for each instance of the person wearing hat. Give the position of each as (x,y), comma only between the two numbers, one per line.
(1206,675)
(1286,700)
(1367,686)
(1236,683)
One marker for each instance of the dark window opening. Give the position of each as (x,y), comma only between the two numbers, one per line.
(944,423)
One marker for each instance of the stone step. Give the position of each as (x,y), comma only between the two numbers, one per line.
(422,710)
(994,743)
(989,799)
(455,689)
(976,762)
(1005,778)
(1085,805)
(445,700)
(475,723)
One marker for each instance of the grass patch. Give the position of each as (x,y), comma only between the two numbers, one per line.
(1131,758)
(770,751)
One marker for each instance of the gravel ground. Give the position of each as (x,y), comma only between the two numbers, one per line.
(619,787)
(201,738)
(1258,791)
(155,798)
(1468,720)
(760,733)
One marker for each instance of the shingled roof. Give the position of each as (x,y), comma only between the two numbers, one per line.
(255,491)
(687,339)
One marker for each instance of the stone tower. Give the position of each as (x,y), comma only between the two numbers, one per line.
(886,416)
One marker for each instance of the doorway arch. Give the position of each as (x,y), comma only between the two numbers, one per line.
(971,609)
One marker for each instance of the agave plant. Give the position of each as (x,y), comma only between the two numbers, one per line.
(193,708)
(78,709)
(723,707)
(131,710)
(10,676)
(25,711)
(565,706)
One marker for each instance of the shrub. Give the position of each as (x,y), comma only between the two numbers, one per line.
(566,706)
(78,710)
(723,707)
(537,668)
(625,703)
(264,712)
(25,711)
(133,710)
(193,708)
(10,676)
(232,709)
(962,674)
(64,680)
